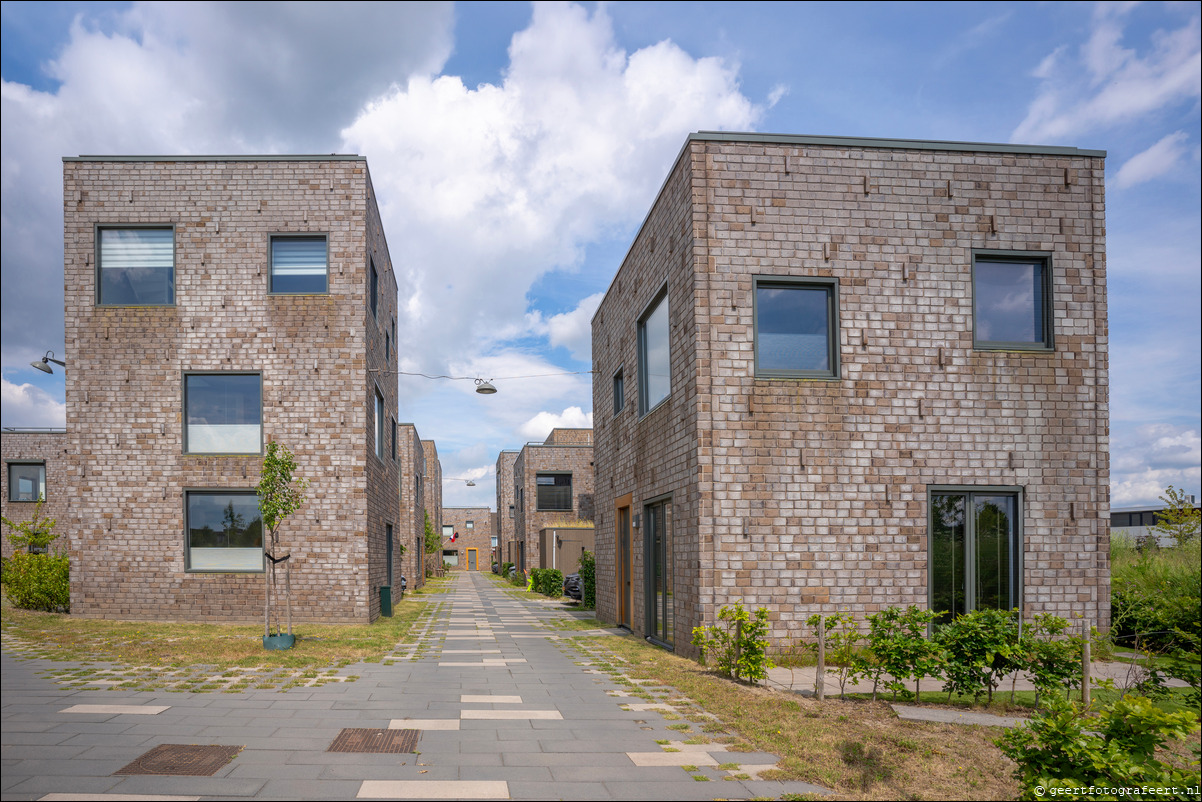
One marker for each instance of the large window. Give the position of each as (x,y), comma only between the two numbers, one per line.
(655,370)
(26,481)
(975,550)
(299,265)
(1011,301)
(796,327)
(224,531)
(658,548)
(223,413)
(554,491)
(135,266)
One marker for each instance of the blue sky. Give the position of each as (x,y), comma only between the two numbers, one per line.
(515,149)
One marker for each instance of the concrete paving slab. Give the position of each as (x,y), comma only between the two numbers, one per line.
(671,759)
(117,710)
(952,716)
(495,699)
(424,724)
(421,789)
(511,715)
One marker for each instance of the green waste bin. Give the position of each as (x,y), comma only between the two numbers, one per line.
(386,601)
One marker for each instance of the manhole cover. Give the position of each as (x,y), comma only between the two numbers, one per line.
(181,759)
(375,741)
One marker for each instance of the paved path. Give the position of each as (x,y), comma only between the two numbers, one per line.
(500,703)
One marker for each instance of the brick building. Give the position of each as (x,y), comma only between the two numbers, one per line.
(503,519)
(411,532)
(214,304)
(839,374)
(472,544)
(553,485)
(37,464)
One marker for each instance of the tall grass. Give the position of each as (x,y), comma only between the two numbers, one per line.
(1155,592)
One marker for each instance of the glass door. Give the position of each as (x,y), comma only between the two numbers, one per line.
(658,548)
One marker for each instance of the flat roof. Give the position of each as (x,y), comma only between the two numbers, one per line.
(893,144)
(327,157)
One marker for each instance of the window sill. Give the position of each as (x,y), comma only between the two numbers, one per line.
(782,377)
(1012,349)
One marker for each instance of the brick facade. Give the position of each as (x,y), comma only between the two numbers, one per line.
(322,358)
(478,536)
(809,495)
(432,486)
(565,451)
(31,447)
(503,519)
(412,459)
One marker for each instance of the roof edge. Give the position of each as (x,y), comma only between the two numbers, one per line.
(895,144)
(327,157)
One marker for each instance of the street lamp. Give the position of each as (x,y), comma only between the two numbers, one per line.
(43,364)
(469,482)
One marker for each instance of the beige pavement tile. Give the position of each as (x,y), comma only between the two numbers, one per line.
(434,789)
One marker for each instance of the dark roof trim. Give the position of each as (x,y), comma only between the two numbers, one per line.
(331,157)
(895,144)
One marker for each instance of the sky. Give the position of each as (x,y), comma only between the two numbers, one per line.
(516,148)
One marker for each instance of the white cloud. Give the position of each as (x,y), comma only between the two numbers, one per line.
(538,427)
(186,78)
(574,330)
(485,190)
(1163,158)
(1107,84)
(25,405)
(1149,458)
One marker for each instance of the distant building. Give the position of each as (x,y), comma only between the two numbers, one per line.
(37,464)
(469,548)
(1136,523)
(504,518)
(553,485)
(411,531)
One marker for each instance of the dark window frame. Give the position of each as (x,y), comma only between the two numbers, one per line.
(1047,314)
(184,406)
(619,383)
(188,493)
(380,415)
(538,497)
(646,406)
(833,322)
(1017,566)
(295,235)
(10,464)
(98,260)
(374,287)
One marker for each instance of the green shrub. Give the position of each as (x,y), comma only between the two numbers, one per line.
(1154,593)
(552,583)
(518,579)
(842,637)
(740,648)
(1061,749)
(38,582)
(981,647)
(1051,657)
(588,580)
(901,649)
(505,569)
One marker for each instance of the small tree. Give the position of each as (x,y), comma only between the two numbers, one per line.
(280,495)
(1179,519)
(34,535)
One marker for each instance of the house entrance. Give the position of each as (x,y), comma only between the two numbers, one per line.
(471,559)
(624,560)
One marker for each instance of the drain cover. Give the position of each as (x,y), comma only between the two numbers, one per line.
(375,741)
(181,759)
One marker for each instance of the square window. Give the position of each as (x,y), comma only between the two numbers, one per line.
(655,368)
(299,265)
(554,491)
(26,481)
(510,510)
(619,391)
(1011,301)
(469,525)
(223,413)
(224,531)
(975,550)
(135,266)
(796,328)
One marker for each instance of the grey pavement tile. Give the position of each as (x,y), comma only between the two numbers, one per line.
(36,787)
(204,786)
(560,790)
(309,789)
(410,771)
(601,761)
(506,773)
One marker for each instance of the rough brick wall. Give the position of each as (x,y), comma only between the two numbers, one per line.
(52,449)
(809,495)
(479,537)
(124,388)
(413,506)
(503,524)
(535,459)
(432,485)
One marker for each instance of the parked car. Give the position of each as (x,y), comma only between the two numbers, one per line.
(572,588)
